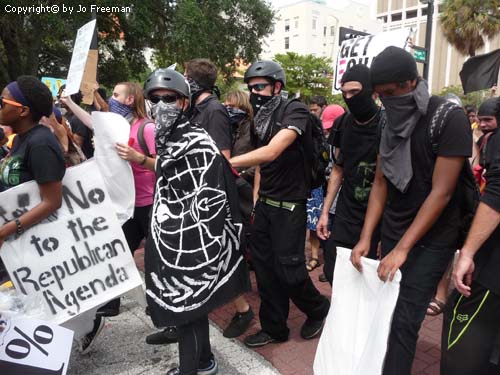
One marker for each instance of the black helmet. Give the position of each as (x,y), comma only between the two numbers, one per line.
(168,79)
(268,69)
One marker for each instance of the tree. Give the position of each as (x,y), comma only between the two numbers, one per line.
(467,22)
(307,74)
(41,42)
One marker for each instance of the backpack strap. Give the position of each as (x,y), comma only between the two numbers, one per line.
(438,122)
(140,136)
(278,115)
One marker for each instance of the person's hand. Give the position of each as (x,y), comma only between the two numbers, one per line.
(361,249)
(65,98)
(493,90)
(322,227)
(391,263)
(96,86)
(128,153)
(462,273)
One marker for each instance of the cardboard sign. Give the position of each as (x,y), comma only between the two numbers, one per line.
(362,50)
(79,57)
(78,257)
(34,347)
(54,84)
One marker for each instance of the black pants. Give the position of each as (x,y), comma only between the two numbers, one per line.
(277,245)
(194,346)
(421,273)
(135,229)
(471,333)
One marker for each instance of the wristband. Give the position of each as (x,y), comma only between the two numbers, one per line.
(144,160)
(19,227)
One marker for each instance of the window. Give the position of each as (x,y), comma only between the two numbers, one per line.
(324,31)
(287,25)
(287,43)
(315,21)
(411,14)
(396,17)
(332,30)
(424,11)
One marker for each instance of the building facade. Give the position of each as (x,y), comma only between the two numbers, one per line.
(445,61)
(312,27)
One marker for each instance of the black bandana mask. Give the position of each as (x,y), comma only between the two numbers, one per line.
(361,105)
(257,101)
(166,116)
(236,115)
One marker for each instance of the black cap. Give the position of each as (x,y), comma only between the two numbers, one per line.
(393,65)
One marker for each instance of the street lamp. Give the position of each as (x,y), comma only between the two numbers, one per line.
(428,34)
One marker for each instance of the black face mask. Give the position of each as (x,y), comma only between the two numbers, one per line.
(257,101)
(362,106)
(236,115)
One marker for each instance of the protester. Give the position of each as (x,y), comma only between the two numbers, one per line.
(415,189)
(356,137)
(35,155)
(471,329)
(181,254)
(206,111)
(317,104)
(240,116)
(278,237)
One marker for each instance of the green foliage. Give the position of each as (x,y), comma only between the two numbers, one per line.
(466,23)
(307,74)
(221,30)
(475,98)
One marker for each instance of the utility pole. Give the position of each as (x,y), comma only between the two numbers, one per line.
(428,35)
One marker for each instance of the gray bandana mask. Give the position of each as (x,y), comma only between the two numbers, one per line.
(166,116)
(403,114)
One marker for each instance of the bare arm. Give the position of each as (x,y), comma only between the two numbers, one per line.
(79,112)
(226,153)
(51,195)
(334,183)
(256,185)
(130,154)
(268,153)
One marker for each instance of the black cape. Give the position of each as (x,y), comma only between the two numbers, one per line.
(193,262)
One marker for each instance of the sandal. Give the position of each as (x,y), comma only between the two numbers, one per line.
(312,264)
(435,307)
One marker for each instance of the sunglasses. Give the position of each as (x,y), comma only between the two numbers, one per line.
(155,99)
(11,102)
(258,87)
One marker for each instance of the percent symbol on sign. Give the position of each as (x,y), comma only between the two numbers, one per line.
(19,348)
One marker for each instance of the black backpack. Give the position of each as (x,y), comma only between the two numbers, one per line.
(317,152)
(140,136)
(467,188)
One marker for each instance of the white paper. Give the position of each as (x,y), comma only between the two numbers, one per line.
(354,338)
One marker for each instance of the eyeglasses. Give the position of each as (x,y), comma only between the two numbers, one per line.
(258,87)
(11,102)
(155,99)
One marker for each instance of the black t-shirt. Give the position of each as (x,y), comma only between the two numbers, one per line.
(35,155)
(213,117)
(358,145)
(401,208)
(285,178)
(78,127)
(488,257)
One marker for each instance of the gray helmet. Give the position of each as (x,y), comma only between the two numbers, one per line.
(268,69)
(168,79)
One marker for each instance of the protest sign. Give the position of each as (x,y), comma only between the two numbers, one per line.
(54,84)
(79,57)
(78,257)
(362,50)
(34,347)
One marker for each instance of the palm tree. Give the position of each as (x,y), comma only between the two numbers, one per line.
(467,22)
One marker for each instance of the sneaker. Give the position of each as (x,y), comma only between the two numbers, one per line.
(88,341)
(239,324)
(167,336)
(259,339)
(311,328)
(174,371)
(211,369)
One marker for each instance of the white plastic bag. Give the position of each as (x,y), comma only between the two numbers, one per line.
(354,339)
